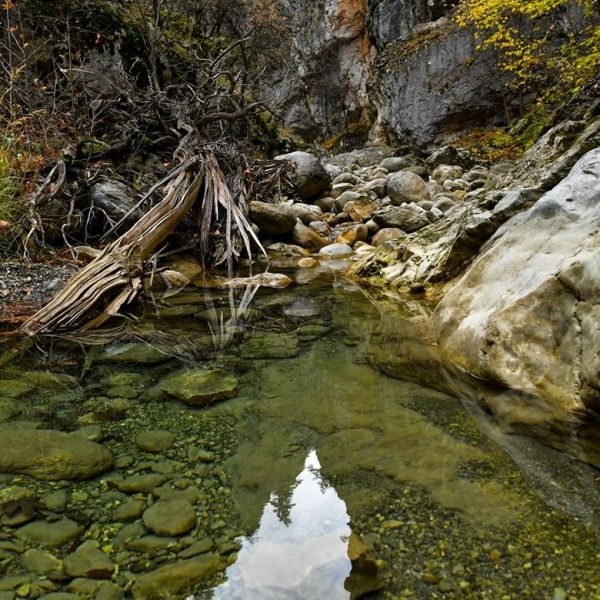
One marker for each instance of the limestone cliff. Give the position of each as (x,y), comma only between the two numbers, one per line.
(400,66)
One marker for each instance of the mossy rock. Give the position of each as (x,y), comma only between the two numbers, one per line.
(199,387)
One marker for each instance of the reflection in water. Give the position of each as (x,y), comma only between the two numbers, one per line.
(300,548)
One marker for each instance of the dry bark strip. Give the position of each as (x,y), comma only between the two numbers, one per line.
(114,278)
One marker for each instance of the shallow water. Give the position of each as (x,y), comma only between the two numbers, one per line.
(322,477)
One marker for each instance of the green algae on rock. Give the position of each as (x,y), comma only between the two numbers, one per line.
(48,454)
(175,577)
(199,387)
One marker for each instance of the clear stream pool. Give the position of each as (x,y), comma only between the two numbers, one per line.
(319,477)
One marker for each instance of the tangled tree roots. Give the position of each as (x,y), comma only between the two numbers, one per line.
(114,278)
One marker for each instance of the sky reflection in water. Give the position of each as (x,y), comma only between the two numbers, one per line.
(300,548)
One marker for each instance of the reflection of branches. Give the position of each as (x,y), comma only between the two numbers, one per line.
(223,331)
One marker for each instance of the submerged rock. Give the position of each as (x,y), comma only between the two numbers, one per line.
(88,561)
(50,534)
(47,454)
(134,352)
(170,517)
(8,409)
(199,387)
(14,388)
(271,345)
(155,441)
(174,577)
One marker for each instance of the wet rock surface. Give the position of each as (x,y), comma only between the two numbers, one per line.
(52,455)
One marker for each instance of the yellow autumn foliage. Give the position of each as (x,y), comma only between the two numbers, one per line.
(538,54)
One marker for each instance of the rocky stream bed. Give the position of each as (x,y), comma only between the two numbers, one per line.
(155,469)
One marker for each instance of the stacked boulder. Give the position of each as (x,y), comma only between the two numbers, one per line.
(349,204)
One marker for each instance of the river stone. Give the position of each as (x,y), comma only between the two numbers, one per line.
(308,263)
(378,186)
(170,517)
(172,578)
(41,562)
(112,198)
(444,172)
(199,387)
(88,561)
(287,250)
(409,218)
(272,219)
(444,203)
(155,441)
(350,235)
(396,163)
(129,511)
(449,155)
(326,204)
(346,178)
(141,483)
(360,210)
(335,251)
(309,177)
(386,235)
(306,212)
(150,544)
(340,188)
(321,228)
(55,533)
(10,389)
(47,454)
(55,501)
(94,588)
(270,345)
(308,238)
(406,186)
(8,409)
(51,381)
(134,352)
(201,547)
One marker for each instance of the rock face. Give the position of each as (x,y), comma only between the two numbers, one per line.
(398,65)
(525,312)
(52,455)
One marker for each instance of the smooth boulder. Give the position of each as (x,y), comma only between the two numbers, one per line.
(526,312)
(309,177)
(409,218)
(272,219)
(51,455)
(199,387)
(407,186)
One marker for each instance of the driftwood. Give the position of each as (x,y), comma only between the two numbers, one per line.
(114,278)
